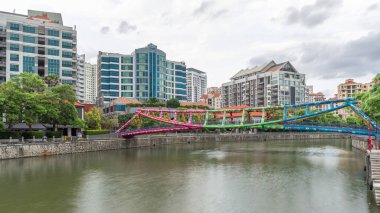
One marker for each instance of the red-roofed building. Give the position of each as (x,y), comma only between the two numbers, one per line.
(213,97)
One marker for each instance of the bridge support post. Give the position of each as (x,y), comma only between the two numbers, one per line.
(224,118)
(206,119)
(262,115)
(284,114)
(307,109)
(190,118)
(242,117)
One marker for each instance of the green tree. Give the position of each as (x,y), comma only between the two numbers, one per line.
(370,101)
(152,101)
(172,103)
(51,80)
(93,118)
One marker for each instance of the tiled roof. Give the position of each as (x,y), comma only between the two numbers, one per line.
(205,96)
(234,107)
(125,100)
(194,104)
(216,95)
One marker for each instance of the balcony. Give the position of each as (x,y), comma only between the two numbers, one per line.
(2,53)
(2,64)
(3,43)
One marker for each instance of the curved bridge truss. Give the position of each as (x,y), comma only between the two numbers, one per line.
(280,117)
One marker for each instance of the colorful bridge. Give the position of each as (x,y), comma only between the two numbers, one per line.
(286,117)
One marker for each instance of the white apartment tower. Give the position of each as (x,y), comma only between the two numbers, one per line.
(90,83)
(196,84)
(37,43)
(80,87)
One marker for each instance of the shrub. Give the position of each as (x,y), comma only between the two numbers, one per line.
(7,134)
(96,132)
(56,134)
(30,134)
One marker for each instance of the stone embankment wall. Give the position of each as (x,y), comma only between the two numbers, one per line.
(45,149)
(359,143)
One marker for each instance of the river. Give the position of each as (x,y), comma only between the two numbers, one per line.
(319,176)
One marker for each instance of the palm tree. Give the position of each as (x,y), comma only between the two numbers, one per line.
(51,80)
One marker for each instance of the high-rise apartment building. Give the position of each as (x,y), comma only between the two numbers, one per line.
(270,84)
(80,86)
(196,84)
(90,89)
(141,75)
(37,43)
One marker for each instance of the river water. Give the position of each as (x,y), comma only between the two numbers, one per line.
(209,177)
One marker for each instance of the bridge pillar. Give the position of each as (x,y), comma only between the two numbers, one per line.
(224,118)
(262,115)
(190,118)
(284,114)
(206,119)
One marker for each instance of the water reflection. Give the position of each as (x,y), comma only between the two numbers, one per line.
(212,177)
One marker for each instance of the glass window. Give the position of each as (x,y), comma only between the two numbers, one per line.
(29,39)
(14,26)
(14,47)
(67,64)
(14,37)
(53,33)
(53,42)
(126,67)
(180,67)
(14,67)
(127,87)
(14,57)
(182,74)
(28,64)
(28,49)
(127,74)
(53,52)
(53,67)
(127,80)
(28,29)
(127,60)
(67,73)
(70,82)
(67,54)
(67,45)
(67,35)
(127,94)
(181,80)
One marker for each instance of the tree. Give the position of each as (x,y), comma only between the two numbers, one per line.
(93,118)
(51,80)
(152,101)
(172,103)
(370,101)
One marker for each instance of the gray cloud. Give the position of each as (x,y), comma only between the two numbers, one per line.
(125,27)
(355,58)
(219,13)
(203,8)
(372,7)
(105,29)
(313,14)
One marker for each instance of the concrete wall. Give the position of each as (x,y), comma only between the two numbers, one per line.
(359,143)
(45,149)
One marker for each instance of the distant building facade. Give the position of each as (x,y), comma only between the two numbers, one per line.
(213,97)
(37,43)
(348,90)
(317,97)
(270,84)
(90,83)
(144,74)
(196,84)
(80,83)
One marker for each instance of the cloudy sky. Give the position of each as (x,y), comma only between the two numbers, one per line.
(329,40)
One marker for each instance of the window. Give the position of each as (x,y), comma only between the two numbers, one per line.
(70,82)
(142,58)
(53,42)
(28,49)
(53,52)
(127,60)
(181,86)
(14,26)
(13,76)
(28,29)
(67,73)
(67,64)
(127,94)
(28,64)
(127,74)
(182,74)
(127,80)
(14,67)
(180,92)
(29,39)
(53,67)
(67,54)
(126,67)
(181,80)
(14,37)
(67,35)
(67,45)
(179,67)
(54,33)
(14,47)
(127,87)
(14,57)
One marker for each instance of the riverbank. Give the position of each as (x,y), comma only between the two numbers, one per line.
(58,148)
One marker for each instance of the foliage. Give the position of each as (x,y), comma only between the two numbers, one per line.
(30,134)
(355,119)
(370,101)
(51,80)
(172,103)
(56,134)
(27,98)
(8,134)
(93,118)
(96,132)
